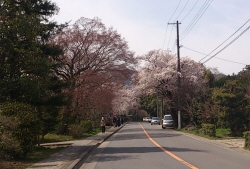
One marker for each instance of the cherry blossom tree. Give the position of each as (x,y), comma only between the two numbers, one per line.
(159,75)
(124,101)
(96,58)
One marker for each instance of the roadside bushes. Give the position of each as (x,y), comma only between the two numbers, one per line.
(247,139)
(209,129)
(77,130)
(19,128)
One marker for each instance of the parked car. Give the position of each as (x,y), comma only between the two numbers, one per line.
(147,119)
(155,120)
(167,121)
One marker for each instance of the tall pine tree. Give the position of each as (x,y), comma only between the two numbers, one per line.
(28,63)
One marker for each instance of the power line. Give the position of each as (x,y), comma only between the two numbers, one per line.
(196,18)
(170,36)
(228,44)
(214,57)
(182,10)
(176,19)
(189,11)
(167,25)
(226,40)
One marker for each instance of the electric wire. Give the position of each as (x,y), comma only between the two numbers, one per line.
(214,57)
(197,14)
(182,10)
(228,44)
(189,11)
(167,24)
(226,39)
(196,18)
(170,36)
(174,45)
(176,20)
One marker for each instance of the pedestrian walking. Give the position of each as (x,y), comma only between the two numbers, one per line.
(114,121)
(118,121)
(103,124)
(122,121)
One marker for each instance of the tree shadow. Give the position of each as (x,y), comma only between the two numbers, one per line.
(121,153)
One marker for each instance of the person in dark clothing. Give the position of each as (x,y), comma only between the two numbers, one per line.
(103,124)
(114,121)
(122,121)
(118,121)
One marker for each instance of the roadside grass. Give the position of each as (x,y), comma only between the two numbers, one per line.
(42,152)
(221,133)
(36,155)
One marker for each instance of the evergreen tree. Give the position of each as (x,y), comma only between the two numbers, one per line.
(28,63)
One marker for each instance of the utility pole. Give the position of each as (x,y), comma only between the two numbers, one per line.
(157,106)
(179,72)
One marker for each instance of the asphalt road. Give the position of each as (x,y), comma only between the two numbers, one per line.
(145,146)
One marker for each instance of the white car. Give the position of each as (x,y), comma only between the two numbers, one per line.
(146,119)
(167,121)
(155,120)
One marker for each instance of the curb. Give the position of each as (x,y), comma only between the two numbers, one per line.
(79,161)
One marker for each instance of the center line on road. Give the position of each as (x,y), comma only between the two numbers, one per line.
(166,151)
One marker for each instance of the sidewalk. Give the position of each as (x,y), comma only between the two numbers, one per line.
(233,143)
(229,143)
(71,156)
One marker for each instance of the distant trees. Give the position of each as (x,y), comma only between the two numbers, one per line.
(205,97)
(159,75)
(231,98)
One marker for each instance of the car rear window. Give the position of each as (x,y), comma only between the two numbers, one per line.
(168,118)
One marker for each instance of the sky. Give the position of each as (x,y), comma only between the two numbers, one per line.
(213,32)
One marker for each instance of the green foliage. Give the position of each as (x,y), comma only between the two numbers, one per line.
(28,67)
(231,97)
(209,129)
(210,78)
(19,126)
(247,139)
(49,117)
(76,131)
(196,110)
(148,103)
(86,126)
(222,132)
(50,138)
(219,82)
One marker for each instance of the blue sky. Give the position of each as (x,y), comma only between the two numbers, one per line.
(144,25)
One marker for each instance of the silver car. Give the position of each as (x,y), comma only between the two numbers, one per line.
(167,121)
(155,120)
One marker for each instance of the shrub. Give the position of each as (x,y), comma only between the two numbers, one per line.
(209,129)
(86,126)
(10,147)
(247,139)
(75,131)
(19,125)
